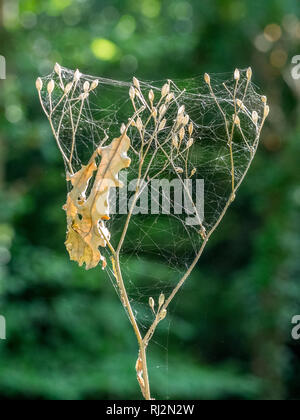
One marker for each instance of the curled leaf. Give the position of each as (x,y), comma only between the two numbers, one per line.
(86,231)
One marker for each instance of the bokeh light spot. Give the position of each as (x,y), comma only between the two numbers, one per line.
(57,6)
(126,27)
(13,113)
(28,20)
(129,64)
(150,8)
(5,255)
(272,32)
(104,49)
(278,58)
(262,44)
(181,10)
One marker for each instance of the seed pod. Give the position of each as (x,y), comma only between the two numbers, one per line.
(132,93)
(161,299)
(266,111)
(57,69)
(181,133)
(236,119)
(207,78)
(162,124)
(191,128)
(84,96)
(179,170)
(162,314)
(50,87)
(151,96)
(39,84)
(236,74)
(165,90)
(68,87)
(77,75)
(154,112)
(136,83)
(264,99)
(170,97)
(139,124)
(186,119)
(249,73)
(181,110)
(94,84)
(254,117)
(180,119)
(151,303)
(193,172)
(86,86)
(175,141)
(123,128)
(162,110)
(239,103)
(190,143)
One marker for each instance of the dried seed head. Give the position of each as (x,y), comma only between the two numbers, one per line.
(50,87)
(237,74)
(180,119)
(170,97)
(254,117)
(94,84)
(175,141)
(77,75)
(162,314)
(161,299)
(266,111)
(86,86)
(186,119)
(165,90)
(189,143)
(162,110)
(154,112)
(162,124)
(132,93)
(123,128)
(181,133)
(191,128)
(151,303)
(39,84)
(202,233)
(239,103)
(179,170)
(151,96)
(84,96)
(68,87)
(193,172)
(249,73)
(181,110)
(139,124)
(264,99)
(136,83)
(57,69)
(207,78)
(236,119)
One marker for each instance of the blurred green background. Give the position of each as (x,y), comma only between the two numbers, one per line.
(229,334)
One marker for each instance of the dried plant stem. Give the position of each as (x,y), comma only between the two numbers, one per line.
(145,387)
(175,146)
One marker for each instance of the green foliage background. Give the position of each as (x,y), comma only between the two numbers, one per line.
(228,336)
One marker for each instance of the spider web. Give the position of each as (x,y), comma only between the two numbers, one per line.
(206,129)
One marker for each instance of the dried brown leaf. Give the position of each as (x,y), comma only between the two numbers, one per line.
(85,215)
